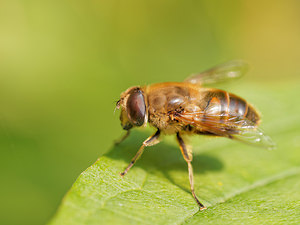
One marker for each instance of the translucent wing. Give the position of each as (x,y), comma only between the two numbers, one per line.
(230,70)
(237,128)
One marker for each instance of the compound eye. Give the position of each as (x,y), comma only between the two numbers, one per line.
(136,108)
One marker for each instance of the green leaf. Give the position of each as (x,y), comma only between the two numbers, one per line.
(238,183)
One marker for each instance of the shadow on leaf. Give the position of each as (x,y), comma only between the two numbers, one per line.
(162,157)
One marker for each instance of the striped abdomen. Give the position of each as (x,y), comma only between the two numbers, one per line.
(228,106)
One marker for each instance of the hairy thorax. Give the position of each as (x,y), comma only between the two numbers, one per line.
(167,98)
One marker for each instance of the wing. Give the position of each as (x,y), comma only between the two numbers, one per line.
(230,70)
(234,127)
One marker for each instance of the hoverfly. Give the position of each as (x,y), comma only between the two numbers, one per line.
(188,107)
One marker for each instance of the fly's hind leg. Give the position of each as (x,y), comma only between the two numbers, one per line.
(187,155)
(150,141)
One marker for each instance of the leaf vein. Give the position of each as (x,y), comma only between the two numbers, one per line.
(263,182)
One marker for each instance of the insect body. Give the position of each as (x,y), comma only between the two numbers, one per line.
(184,108)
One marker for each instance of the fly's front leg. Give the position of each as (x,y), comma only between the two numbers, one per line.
(122,138)
(187,155)
(152,140)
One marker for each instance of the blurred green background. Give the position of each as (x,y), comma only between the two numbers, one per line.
(64,63)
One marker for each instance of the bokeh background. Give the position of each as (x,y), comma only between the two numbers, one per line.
(64,63)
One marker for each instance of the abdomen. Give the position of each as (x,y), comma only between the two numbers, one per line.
(228,106)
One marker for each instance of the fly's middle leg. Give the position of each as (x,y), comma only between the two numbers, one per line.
(187,155)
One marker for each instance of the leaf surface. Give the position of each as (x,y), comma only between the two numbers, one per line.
(238,183)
